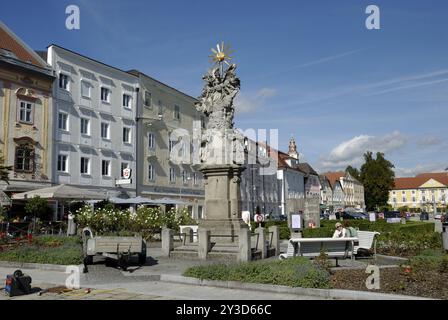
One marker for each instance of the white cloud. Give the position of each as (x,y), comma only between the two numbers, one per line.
(351,152)
(429,141)
(420,168)
(250,103)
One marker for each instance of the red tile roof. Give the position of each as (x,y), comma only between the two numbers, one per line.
(417,181)
(334,176)
(12,43)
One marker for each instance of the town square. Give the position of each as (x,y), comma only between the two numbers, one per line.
(255,153)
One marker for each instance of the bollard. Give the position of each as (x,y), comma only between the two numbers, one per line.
(167,241)
(245,245)
(275,239)
(188,235)
(204,243)
(262,242)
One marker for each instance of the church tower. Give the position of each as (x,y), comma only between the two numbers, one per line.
(292,152)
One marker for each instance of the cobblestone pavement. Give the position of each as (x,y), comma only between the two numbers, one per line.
(108,283)
(141,283)
(92,294)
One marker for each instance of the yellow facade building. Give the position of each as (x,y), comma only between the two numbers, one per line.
(25,114)
(422,192)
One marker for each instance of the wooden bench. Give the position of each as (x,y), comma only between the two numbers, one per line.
(336,248)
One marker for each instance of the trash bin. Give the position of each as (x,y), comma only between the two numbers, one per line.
(71,225)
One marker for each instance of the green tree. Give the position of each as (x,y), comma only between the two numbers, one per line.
(354,172)
(386,207)
(377,176)
(38,207)
(4,170)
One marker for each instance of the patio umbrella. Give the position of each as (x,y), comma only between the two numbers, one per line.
(61,192)
(135,200)
(169,201)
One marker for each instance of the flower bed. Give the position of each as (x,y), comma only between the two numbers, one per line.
(145,221)
(45,249)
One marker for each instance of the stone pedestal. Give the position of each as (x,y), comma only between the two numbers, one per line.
(222,203)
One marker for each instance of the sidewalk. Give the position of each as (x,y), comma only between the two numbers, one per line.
(161,278)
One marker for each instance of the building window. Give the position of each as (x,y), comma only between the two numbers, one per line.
(85,89)
(413,191)
(105,132)
(63,81)
(184,177)
(127,101)
(413,199)
(394,200)
(85,165)
(63,121)
(24,159)
(202,122)
(151,172)
(105,168)
(160,111)
(404,199)
(176,112)
(195,178)
(124,165)
(147,99)
(171,144)
(172,175)
(85,126)
(126,135)
(200,212)
(26,112)
(393,192)
(62,163)
(151,141)
(105,94)
(423,198)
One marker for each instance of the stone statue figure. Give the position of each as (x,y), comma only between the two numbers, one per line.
(216,102)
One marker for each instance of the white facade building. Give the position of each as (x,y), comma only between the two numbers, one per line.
(95,123)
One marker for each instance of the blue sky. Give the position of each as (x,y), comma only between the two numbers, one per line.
(308,68)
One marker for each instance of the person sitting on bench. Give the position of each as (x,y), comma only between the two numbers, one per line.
(340,231)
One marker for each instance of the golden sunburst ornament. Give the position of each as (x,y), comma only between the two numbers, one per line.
(222,54)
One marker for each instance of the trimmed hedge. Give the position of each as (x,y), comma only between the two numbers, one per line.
(296,272)
(396,239)
(383,226)
(284,231)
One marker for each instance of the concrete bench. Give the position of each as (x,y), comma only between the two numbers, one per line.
(336,248)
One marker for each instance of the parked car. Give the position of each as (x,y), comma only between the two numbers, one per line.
(392,214)
(438,216)
(351,215)
(324,216)
(424,216)
(276,217)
